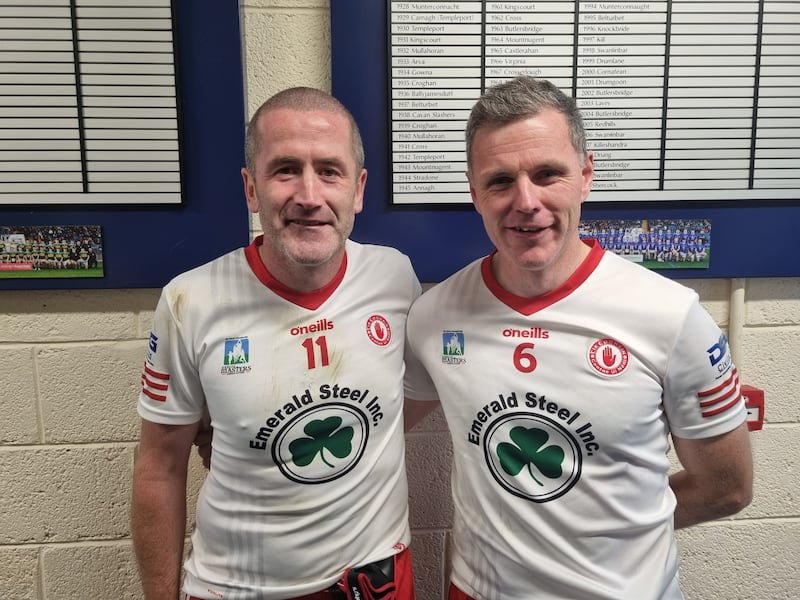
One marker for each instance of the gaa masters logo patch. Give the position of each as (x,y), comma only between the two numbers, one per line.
(453,347)
(236,357)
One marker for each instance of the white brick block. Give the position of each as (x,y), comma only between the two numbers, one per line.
(427,553)
(428,460)
(53,316)
(274,59)
(89,392)
(92,571)
(771,363)
(65,494)
(773,301)
(19,423)
(746,561)
(19,570)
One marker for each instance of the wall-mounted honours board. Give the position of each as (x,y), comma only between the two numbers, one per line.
(692,110)
(126,118)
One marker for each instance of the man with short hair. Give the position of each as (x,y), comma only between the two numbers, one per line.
(295,347)
(574,367)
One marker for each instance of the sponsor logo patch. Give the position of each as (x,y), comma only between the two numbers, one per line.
(532,456)
(321,444)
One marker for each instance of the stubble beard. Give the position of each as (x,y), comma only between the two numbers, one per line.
(300,251)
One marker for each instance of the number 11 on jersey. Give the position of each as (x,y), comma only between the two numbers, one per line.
(311,354)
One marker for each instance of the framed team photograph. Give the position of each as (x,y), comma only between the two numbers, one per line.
(50,251)
(654,243)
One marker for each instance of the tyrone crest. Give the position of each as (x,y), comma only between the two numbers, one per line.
(378,330)
(608,357)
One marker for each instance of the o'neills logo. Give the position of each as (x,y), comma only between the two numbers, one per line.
(321,325)
(533,332)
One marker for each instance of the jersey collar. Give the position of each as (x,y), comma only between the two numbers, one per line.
(310,300)
(528,306)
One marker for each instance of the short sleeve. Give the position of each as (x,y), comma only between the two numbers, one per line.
(702,393)
(171,392)
(417,382)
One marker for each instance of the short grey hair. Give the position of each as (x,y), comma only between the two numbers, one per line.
(304,99)
(520,98)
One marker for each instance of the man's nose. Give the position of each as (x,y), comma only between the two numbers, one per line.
(527,195)
(308,189)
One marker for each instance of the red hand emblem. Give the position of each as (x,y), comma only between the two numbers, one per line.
(608,356)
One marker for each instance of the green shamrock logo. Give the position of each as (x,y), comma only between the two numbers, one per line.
(323,435)
(529,451)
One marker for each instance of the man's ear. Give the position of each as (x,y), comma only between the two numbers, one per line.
(587,172)
(361,184)
(249,191)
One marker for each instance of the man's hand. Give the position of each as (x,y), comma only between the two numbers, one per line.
(203,443)
(202,440)
(416,410)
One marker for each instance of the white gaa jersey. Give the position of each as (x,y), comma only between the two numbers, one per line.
(305,393)
(559,409)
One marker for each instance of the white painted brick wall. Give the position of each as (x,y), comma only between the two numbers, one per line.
(70,370)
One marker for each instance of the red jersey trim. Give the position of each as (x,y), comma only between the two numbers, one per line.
(152,384)
(310,300)
(153,396)
(732,378)
(729,393)
(156,374)
(152,388)
(528,306)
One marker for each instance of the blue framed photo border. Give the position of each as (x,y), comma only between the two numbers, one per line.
(146,245)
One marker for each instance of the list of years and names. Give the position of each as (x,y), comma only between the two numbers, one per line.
(681,99)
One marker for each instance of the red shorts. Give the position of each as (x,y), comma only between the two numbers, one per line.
(403,581)
(404,575)
(456,594)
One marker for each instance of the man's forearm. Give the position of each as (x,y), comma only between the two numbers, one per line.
(698,504)
(717,480)
(158,524)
